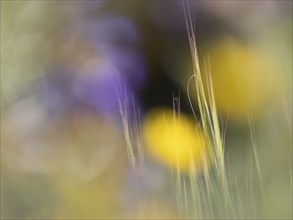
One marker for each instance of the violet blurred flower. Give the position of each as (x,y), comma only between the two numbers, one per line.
(111,55)
(113,41)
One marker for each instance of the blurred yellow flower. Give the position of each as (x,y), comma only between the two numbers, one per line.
(244,79)
(175,140)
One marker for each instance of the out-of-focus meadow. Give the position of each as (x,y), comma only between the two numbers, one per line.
(100,117)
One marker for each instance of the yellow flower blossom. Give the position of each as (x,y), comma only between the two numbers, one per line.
(175,140)
(244,79)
